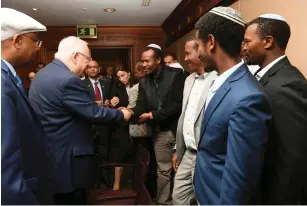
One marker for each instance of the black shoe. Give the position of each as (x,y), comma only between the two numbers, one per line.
(104,179)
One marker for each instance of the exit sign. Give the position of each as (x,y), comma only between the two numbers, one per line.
(87,31)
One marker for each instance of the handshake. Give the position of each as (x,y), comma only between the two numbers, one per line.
(127,113)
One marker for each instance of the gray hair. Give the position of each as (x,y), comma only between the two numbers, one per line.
(68,46)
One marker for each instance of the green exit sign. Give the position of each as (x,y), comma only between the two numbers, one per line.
(87,31)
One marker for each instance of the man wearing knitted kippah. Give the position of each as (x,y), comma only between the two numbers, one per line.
(236,116)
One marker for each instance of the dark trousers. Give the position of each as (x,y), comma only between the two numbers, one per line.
(77,197)
(151,182)
(102,137)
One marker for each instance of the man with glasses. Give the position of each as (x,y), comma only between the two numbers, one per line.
(67,112)
(25,162)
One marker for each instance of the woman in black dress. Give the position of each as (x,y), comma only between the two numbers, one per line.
(120,98)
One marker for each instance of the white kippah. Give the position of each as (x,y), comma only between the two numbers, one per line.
(14,22)
(273,16)
(154,46)
(228,13)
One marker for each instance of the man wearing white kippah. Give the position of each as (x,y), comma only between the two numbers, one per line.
(159,103)
(25,163)
(285,168)
(236,116)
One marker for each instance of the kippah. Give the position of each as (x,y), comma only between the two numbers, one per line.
(154,46)
(228,13)
(273,16)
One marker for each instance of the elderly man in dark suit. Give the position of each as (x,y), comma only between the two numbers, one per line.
(67,112)
(284,177)
(25,165)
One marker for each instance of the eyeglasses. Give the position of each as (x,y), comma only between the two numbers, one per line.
(38,43)
(86,57)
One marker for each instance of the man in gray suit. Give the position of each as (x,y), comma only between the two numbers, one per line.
(194,97)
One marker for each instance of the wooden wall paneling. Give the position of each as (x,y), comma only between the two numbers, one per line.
(135,38)
(185,15)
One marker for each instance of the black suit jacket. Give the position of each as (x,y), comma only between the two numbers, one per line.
(119,90)
(285,168)
(171,84)
(105,87)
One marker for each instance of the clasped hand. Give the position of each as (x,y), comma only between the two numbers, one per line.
(127,113)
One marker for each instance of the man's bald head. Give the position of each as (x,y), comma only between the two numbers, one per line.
(93,69)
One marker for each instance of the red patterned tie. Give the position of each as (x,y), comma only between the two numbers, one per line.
(97,92)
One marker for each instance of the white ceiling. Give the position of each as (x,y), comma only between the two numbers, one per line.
(70,12)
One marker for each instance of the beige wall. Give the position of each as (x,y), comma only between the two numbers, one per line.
(295,12)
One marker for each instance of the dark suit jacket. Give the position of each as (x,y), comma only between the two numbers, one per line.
(232,142)
(171,84)
(67,112)
(119,90)
(286,160)
(105,87)
(25,165)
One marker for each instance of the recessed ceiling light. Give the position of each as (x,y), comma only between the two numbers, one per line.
(109,10)
(146,2)
(84,9)
(35,9)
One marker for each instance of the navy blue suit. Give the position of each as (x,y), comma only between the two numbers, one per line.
(25,164)
(233,136)
(67,112)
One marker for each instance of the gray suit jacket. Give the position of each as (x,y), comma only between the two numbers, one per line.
(180,144)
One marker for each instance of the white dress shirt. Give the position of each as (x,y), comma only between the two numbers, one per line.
(253,68)
(220,80)
(262,72)
(190,112)
(99,86)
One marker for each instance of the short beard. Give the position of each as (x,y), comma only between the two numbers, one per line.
(208,63)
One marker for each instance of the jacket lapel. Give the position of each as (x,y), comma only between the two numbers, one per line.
(209,78)
(5,68)
(220,94)
(213,104)
(14,80)
(187,90)
(102,85)
(272,71)
(90,87)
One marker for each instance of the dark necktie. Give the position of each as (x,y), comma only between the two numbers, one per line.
(97,92)
(20,85)
(158,93)
(258,77)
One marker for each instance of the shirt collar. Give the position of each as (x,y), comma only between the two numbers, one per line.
(263,71)
(10,67)
(201,76)
(222,78)
(93,81)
